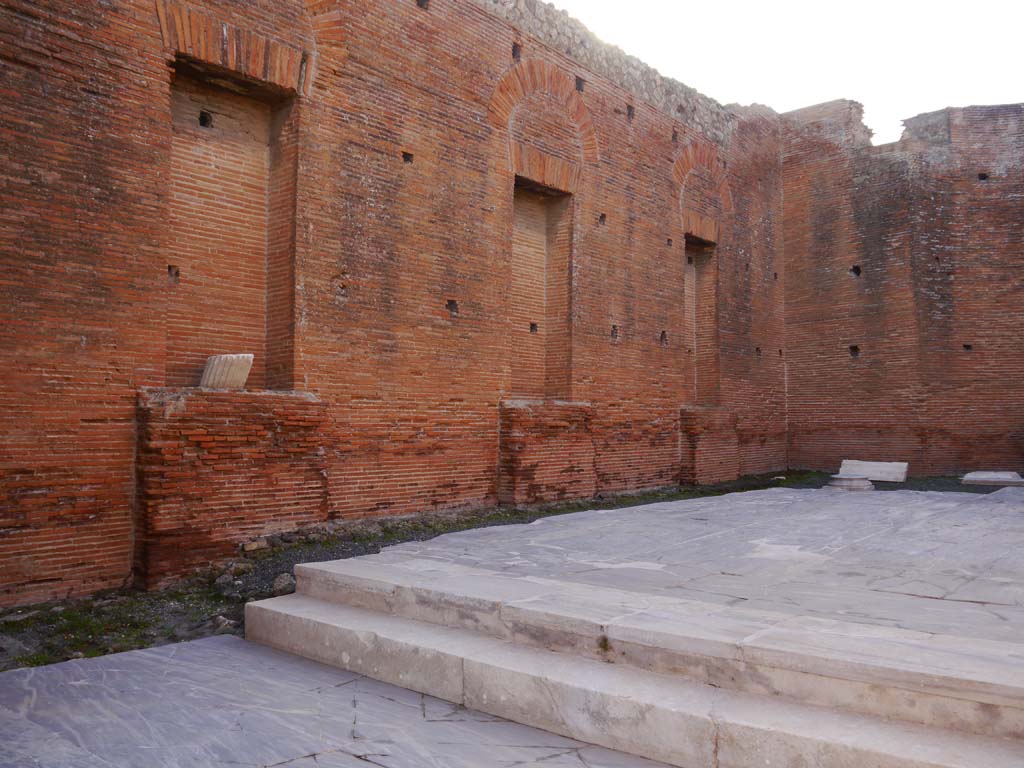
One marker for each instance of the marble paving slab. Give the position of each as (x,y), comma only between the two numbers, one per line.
(945,563)
(225,702)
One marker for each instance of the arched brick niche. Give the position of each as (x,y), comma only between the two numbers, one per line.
(541,121)
(549,128)
(205,37)
(235,95)
(531,77)
(704,197)
(550,139)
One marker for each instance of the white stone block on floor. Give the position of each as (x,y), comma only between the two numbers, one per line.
(993,478)
(879,471)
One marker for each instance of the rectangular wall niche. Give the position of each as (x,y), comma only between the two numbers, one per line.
(231,232)
(540,298)
(702,316)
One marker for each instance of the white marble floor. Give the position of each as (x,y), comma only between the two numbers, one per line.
(947,563)
(226,702)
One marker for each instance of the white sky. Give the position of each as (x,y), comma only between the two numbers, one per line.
(899,58)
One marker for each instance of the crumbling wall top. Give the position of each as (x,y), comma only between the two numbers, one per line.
(840,121)
(930,128)
(561,31)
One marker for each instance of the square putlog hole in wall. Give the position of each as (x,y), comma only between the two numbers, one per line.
(854,351)
(517,52)
(534,328)
(663,340)
(205,119)
(453,308)
(408,158)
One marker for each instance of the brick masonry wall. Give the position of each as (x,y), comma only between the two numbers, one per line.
(710,445)
(219,468)
(403,236)
(547,452)
(396,134)
(77,289)
(908,256)
(84,249)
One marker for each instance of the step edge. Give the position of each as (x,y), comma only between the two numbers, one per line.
(858,731)
(931,680)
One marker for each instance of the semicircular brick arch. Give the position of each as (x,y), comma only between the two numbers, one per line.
(534,76)
(701,157)
(205,36)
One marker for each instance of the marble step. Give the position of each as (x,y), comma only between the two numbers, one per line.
(657,716)
(965,684)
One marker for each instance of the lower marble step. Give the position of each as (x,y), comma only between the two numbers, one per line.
(644,713)
(945,682)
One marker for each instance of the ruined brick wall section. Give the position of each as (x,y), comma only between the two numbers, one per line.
(636,446)
(710,446)
(751,295)
(400,214)
(219,468)
(547,452)
(904,290)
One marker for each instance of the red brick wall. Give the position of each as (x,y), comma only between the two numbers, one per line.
(710,446)
(540,296)
(547,452)
(903,252)
(280,268)
(363,250)
(219,468)
(84,204)
(81,261)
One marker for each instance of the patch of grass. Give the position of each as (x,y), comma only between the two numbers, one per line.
(37,659)
(82,629)
(111,622)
